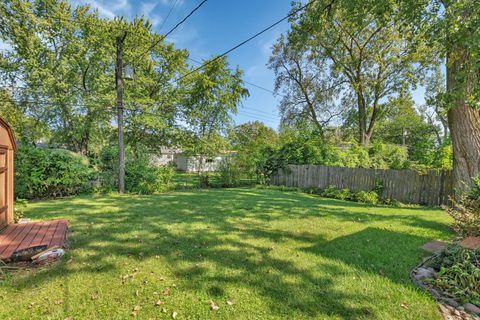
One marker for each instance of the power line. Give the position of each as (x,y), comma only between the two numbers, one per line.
(291,14)
(247,82)
(168,15)
(260,111)
(171,30)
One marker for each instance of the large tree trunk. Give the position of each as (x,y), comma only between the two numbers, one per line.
(465,131)
(464,123)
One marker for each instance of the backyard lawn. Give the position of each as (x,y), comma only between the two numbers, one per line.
(270,254)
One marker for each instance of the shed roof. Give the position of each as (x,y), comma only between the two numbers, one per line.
(7,127)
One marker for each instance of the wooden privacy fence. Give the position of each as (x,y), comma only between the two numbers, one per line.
(407,186)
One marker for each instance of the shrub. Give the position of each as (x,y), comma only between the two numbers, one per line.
(145,179)
(458,273)
(229,173)
(47,173)
(140,175)
(369,197)
(333,192)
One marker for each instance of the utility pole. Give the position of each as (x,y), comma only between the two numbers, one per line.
(119,88)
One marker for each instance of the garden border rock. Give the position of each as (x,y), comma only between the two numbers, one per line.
(449,307)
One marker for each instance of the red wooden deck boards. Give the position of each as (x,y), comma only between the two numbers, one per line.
(27,235)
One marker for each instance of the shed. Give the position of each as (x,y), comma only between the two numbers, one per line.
(7,148)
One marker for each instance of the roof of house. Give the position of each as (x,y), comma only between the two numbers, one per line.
(170,150)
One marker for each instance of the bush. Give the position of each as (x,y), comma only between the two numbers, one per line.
(229,173)
(140,176)
(333,192)
(49,173)
(145,179)
(458,273)
(369,197)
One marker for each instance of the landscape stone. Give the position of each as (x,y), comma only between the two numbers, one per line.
(422,273)
(471,308)
(434,246)
(451,302)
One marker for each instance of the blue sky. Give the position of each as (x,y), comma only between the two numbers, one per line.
(217,26)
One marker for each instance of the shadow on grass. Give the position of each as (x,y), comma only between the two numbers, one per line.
(231,229)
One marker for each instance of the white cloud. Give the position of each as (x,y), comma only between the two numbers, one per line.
(110,8)
(147,9)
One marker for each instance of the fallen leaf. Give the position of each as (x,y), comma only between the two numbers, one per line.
(404,305)
(174,314)
(164,310)
(230,302)
(59,302)
(159,302)
(166,291)
(162,278)
(213,306)
(135,310)
(94,296)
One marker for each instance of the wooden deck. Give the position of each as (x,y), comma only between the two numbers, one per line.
(22,236)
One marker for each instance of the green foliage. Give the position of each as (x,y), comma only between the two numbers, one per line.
(388,156)
(333,192)
(249,140)
(50,173)
(211,96)
(19,209)
(63,54)
(140,176)
(229,173)
(459,273)
(368,197)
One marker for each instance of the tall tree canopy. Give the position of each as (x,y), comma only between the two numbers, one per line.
(356,46)
(59,70)
(211,96)
(382,48)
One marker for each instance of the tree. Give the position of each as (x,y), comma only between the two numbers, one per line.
(249,139)
(308,91)
(211,95)
(462,29)
(362,47)
(435,108)
(61,66)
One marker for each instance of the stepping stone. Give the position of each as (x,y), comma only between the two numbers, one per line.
(470,243)
(434,246)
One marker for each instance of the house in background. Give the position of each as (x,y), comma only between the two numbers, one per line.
(188,163)
(165,157)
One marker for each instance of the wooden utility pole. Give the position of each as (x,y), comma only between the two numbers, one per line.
(119,87)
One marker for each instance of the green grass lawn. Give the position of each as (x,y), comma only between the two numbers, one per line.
(274,254)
